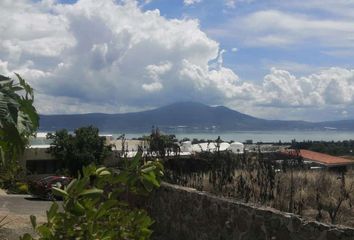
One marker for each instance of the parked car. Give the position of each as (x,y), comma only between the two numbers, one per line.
(42,188)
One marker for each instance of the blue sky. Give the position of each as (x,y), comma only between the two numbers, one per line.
(268,58)
(252,62)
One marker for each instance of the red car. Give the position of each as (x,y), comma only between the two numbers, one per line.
(43,187)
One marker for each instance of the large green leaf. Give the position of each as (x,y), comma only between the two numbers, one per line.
(18,117)
(52,211)
(93,192)
(4,78)
(59,192)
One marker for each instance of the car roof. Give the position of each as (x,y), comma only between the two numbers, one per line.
(48,178)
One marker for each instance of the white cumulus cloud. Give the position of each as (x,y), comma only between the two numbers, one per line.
(331,86)
(191,2)
(109,53)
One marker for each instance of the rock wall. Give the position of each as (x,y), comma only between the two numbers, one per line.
(187,214)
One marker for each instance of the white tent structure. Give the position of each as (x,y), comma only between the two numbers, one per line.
(200,147)
(224,146)
(210,147)
(236,147)
(186,146)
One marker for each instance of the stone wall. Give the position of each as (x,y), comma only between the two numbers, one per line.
(187,214)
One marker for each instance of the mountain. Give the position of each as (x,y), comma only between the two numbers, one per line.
(185,115)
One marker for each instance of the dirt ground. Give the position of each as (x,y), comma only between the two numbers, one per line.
(17,209)
(17,226)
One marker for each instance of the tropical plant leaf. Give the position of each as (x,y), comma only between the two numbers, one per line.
(4,78)
(18,117)
(91,192)
(59,192)
(52,211)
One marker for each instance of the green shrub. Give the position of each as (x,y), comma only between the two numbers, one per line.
(18,188)
(98,204)
(22,188)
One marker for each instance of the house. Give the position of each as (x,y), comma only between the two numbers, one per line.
(323,159)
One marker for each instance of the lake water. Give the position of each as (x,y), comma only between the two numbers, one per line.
(261,136)
(242,136)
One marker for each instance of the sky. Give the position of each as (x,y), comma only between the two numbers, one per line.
(274,59)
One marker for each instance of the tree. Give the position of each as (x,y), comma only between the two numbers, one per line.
(18,121)
(162,145)
(82,148)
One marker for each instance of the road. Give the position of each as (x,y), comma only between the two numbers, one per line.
(23,205)
(18,209)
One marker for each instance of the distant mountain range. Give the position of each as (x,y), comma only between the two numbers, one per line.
(182,116)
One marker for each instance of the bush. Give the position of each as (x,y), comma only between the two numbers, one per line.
(22,188)
(9,174)
(97,205)
(18,188)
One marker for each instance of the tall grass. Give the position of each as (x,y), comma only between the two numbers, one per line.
(321,195)
(3,221)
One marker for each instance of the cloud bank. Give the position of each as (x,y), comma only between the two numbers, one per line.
(107,56)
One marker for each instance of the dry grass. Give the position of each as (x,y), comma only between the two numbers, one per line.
(315,195)
(17,226)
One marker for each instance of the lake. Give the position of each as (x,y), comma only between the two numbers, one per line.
(242,136)
(260,136)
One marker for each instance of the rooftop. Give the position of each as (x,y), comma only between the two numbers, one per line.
(324,159)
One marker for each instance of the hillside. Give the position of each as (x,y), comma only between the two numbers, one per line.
(185,115)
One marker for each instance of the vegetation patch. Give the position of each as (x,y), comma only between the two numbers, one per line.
(82,148)
(98,204)
(269,179)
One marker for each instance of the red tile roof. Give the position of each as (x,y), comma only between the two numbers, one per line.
(322,158)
